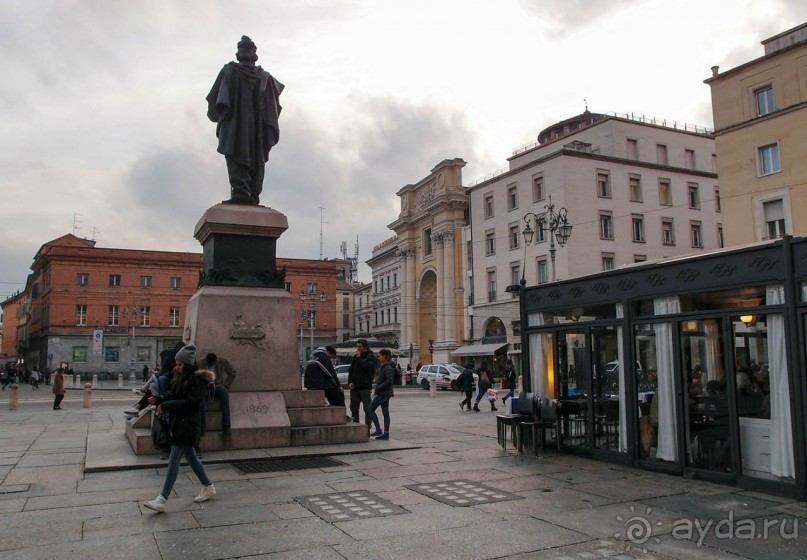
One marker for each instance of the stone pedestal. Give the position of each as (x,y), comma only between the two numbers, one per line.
(243,313)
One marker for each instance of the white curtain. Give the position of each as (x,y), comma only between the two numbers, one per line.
(714,365)
(538,367)
(782,463)
(538,356)
(623,397)
(665,391)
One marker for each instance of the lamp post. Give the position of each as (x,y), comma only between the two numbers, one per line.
(311,296)
(556,223)
(133,353)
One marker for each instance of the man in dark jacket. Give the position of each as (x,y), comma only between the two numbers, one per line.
(509,380)
(466,383)
(225,375)
(320,375)
(360,380)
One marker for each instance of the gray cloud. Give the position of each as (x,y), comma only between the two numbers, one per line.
(568,16)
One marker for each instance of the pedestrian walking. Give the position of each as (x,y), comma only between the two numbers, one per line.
(383,393)
(465,382)
(188,388)
(58,388)
(34,378)
(484,385)
(509,380)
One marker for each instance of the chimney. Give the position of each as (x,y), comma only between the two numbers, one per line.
(714,71)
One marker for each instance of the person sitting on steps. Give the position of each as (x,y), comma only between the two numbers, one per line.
(225,375)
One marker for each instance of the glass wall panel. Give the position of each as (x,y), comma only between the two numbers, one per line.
(607,386)
(706,397)
(574,367)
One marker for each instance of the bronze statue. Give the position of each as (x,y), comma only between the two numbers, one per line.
(244,101)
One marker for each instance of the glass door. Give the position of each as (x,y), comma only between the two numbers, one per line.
(574,368)
(606,395)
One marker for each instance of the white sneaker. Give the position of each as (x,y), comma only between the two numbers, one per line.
(138,392)
(157,504)
(206,493)
(133,411)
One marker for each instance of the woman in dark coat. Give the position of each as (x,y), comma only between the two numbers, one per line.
(188,388)
(58,388)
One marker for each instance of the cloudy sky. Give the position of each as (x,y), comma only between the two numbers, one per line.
(105,130)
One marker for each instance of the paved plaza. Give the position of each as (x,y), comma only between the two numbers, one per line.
(441,487)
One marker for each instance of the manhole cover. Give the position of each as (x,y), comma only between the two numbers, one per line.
(462,493)
(347,506)
(295,464)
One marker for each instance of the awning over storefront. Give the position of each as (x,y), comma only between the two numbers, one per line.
(478,349)
(375,349)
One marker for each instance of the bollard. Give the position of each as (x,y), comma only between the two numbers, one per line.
(120,381)
(95,380)
(14,397)
(88,395)
(432,386)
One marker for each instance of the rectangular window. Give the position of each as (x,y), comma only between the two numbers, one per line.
(145,281)
(489,208)
(769,159)
(81,316)
(114,280)
(638,229)
(287,286)
(345,321)
(145,316)
(113,317)
(606,226)
(633,149)
(542,271)
(661,154)
(603,184)
(389,316)
(639,258)
(720,236)
(693,196)
(427,242)
(515,278)
(774,211)
(395,313)
(312,288)
(538,188)
(689,159)
(717,200)
(540,233)
(144,354)
(490,243)
(764,100)
(664,192)
(667,231)
(491,285)
(607,260)
(175,282)
(514,236)
(512,197)
(79,354)
(82,279)
(173,317)
(635,188)
(394,279)
(695,231)
(112,354)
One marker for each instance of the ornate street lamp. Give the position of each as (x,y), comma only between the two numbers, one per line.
(556,223)
(310,295)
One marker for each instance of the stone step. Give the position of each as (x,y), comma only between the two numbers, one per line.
(323,435)
(317,416)
(304,399)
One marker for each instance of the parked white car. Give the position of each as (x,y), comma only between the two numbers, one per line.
(444,374)
(342,371)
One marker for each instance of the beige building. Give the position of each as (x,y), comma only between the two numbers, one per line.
(635,189)
(363,310)
(386,293)
(760,117)
(429,230)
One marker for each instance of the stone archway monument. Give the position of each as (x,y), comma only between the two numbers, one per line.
(242,310)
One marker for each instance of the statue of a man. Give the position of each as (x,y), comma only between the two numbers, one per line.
(245,103)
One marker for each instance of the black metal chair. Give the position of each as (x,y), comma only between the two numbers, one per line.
(546,418)
(503,421)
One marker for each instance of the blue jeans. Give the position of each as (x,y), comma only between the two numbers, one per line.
(509,395)
(383,402)
(482,390)
(177,452)
(224,397)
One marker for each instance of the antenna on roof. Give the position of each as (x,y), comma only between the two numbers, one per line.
(76,222)
(94,231)
(585,102)
(321,213)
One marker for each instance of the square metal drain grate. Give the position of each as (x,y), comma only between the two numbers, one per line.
(292,464)
(462,493)
(347,506)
